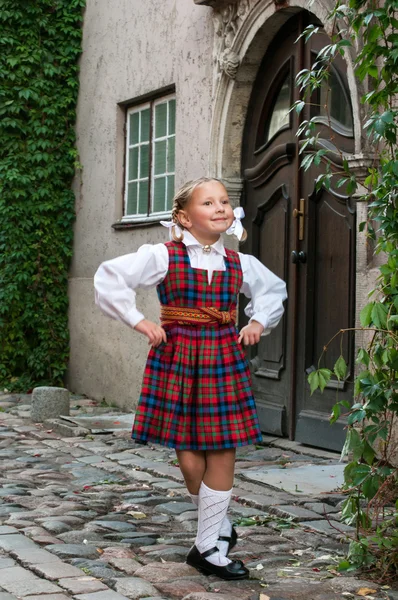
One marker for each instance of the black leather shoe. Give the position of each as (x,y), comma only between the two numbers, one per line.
(232,571)
(231,539)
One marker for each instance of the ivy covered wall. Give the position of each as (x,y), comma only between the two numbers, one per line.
(40,44)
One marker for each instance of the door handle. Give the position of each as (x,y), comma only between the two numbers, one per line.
(300,215)
(299,257)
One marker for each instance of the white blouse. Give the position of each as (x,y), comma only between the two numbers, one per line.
(116,280)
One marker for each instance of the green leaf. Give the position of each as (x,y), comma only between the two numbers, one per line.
(340,368)
(358,474)
(356,416)
(365,315)
(363,357)
(379,315)
(313,380)
(324,376)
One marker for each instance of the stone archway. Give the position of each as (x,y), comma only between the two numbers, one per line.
(243,31)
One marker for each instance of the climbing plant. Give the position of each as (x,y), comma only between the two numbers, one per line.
(40,44)
(368,30)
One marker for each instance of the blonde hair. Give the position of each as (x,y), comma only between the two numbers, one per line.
(182,198)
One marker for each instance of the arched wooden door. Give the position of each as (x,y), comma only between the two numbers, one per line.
(314,252)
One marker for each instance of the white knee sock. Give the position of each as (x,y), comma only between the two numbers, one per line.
(225,530)
(194,498)
(213,506)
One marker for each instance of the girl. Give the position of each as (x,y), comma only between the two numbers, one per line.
(196,395)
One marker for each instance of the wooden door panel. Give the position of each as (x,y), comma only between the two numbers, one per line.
(331,252)
(271,237)
(327,287)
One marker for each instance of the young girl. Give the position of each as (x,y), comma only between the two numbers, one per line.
(196,395)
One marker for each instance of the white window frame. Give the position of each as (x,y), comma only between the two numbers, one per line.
(152,216)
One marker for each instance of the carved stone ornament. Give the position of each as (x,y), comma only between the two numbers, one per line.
(228,19)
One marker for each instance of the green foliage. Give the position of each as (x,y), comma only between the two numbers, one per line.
(40,45)
(370,479)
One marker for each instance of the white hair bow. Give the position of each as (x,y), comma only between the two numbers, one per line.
(169,225)
(237,227)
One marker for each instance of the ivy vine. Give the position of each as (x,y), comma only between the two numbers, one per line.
(40,44)
(369,30)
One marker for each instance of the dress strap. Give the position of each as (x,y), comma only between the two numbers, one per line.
(184,315)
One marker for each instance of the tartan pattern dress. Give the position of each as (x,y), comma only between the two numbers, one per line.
(196,392)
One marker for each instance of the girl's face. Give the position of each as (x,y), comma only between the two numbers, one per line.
(208,213)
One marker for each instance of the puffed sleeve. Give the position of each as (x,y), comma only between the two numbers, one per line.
(266,292)
(116,280)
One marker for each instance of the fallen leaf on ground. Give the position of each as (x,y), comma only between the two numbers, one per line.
(365,591)
(264,597)
(259,567)
(137,515)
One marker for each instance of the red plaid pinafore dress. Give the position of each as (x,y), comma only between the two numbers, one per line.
(196,392)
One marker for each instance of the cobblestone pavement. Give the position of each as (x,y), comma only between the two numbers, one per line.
(92,516)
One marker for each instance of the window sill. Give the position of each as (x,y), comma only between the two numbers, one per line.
(144,222)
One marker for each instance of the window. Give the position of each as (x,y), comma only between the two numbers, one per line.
(150,159)
(280,112)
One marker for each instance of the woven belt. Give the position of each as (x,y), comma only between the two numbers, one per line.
(182,315)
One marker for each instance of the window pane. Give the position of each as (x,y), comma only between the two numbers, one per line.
(145,121)
(159,194)
(280,111)
(134,128)
(144,161)
(133,163)
(171,155)
(334,99)
(143,198)
(161,120)
(160,157)
(170,192)
(131,208)
(172,117)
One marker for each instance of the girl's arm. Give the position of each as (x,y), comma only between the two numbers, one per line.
(116,280)
(266,291)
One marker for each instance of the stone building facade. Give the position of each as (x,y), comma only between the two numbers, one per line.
(174,90)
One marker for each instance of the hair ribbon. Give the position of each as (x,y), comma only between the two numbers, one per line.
(170,225)
(237,227)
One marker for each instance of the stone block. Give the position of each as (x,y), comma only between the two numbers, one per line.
(164,572)
(82,584)
(47,597)
(22,582)
(106,595)
(10,542)
(56,570)
(6,529)
(135,588)
(49,402)
(297,513)
(180,589)
(34,556)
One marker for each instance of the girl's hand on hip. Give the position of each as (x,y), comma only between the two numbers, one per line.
(251,333)
(155,333)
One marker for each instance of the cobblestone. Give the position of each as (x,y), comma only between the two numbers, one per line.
(106,519)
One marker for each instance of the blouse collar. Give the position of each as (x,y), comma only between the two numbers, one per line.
(190,240)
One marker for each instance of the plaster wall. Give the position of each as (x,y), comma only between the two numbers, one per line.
(130,48)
